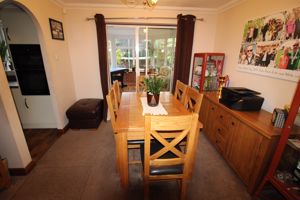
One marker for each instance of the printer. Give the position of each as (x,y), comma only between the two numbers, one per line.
(239,98)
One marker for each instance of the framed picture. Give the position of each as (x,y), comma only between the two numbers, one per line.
(56,28)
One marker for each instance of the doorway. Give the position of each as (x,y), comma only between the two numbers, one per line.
(143,50)
(23,63)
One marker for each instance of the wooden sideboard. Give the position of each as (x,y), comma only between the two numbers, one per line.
(246,140)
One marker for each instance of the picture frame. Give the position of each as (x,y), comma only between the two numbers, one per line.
(56,28)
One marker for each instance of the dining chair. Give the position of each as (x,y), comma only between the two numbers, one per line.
(116,86)
(130,81)
(140,85)
(163,158)
(180,91)
(112,107)
(193,99)
(113,111)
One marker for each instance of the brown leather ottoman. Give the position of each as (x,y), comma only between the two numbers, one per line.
(85,113)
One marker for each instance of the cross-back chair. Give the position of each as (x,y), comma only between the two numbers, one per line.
(163,159)
(193,99)
(140,85)
(113,111)
(180,91)
(112,107)
(116,86)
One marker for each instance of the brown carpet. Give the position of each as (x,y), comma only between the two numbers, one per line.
(81,165)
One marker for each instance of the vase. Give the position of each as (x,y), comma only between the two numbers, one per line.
(152,99)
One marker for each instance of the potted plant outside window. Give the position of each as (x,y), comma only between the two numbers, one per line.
(153,87)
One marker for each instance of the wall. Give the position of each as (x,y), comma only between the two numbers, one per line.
(230,28)
(55,54)
(60,80)
(21,30)
(83,41)
(12,141)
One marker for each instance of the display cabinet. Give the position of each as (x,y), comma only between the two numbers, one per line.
(282,181)
(207,67)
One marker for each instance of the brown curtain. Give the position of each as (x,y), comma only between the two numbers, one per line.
(183,52)
(102,52)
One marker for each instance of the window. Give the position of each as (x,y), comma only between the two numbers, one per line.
(143,49)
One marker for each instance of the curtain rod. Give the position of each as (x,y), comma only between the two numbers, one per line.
(118,18)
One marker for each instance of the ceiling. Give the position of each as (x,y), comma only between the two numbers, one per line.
(209,4)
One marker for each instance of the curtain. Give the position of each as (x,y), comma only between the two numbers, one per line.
(102,52)
(183,52)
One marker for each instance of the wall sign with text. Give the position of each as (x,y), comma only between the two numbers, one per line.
(271,46)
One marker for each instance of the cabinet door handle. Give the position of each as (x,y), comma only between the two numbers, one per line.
(26,105)
(232,123)
(221,116)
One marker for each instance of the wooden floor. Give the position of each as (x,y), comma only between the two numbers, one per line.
(39,141)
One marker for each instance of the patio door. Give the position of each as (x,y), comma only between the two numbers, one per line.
(143,49)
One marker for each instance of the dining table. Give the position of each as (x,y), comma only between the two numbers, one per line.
(130,124)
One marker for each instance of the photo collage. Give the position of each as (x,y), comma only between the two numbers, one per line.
(272,41)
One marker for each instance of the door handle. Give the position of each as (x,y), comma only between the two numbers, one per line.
(26,105)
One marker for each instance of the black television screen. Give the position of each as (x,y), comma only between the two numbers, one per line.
(27,56)
(33,82)
(28,62)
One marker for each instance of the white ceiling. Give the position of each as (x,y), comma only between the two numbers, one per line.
(209,4)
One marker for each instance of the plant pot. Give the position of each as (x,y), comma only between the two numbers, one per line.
(152,99)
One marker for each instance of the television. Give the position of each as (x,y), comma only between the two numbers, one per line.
(29,66)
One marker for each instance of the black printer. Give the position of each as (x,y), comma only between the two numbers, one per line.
(239,98)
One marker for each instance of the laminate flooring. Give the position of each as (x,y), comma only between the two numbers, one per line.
(39,141)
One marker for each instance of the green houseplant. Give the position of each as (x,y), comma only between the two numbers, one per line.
(153,87)
(3,50)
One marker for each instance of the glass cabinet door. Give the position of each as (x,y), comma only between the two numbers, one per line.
(198,64)
(207,67)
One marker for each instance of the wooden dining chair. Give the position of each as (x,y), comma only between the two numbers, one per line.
(140,85)
(113,111)
(180,91)
(163,159)
(116,86)
(112,107)
(193,99)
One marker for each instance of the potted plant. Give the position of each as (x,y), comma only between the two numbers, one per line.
(153,87)
(3,54)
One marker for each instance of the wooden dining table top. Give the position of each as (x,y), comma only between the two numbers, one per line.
(130,117)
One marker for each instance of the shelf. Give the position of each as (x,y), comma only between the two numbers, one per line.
(291,191)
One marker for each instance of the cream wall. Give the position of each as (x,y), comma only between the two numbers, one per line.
(230,28)
(60,80)
(21,30)
(55,55)
(83,40)
(12,141)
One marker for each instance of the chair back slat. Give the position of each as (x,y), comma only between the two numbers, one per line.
(193,100)
(180,91)
(116,86)
(112,107)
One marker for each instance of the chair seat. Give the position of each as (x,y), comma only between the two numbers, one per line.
(162,170)
(135,142)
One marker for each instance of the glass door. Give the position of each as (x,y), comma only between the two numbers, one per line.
(143,49)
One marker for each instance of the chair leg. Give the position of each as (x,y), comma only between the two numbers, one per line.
(146,189)
(183,194)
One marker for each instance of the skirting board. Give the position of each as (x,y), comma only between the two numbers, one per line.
(31,165)
(22,171)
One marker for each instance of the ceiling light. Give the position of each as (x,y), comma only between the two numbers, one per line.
(150,3)
(146,3)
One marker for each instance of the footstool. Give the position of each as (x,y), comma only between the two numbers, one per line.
(85,114)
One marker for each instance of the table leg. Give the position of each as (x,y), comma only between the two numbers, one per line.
(122,158)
